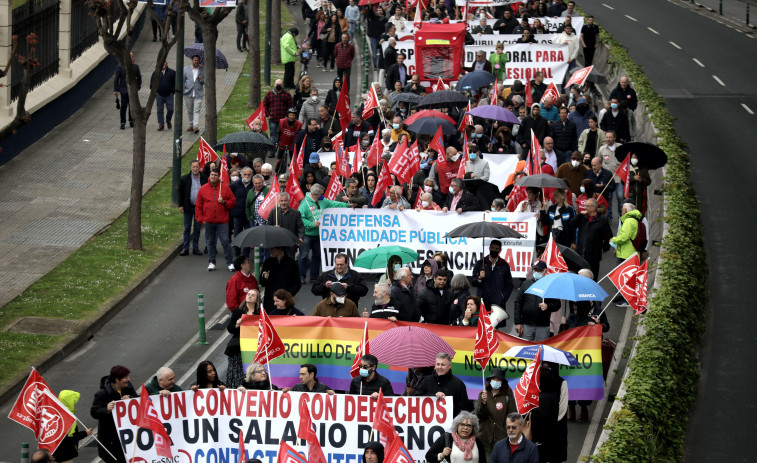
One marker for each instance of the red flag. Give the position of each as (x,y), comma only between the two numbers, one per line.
(374,154)
(370,103)
(342,162)
(259,114)
(24,410)
(536,154)
(624,277)
(579,77)
(384,182)
(486,344)
(338,139)
(553,257)
(270,345)
(357,162)
(271,200)
(225,168)
(206,153)
(550,91)
(298,162)
(287,454)
(437,144)
(397,452)
(306,432)
(639,303)
(343,107)
(464,160)
(529,95)
(147,418)
(419,199)
(361,350)
(465,121)
(494,93)
(418,18)
(333,188)
(402,164)
(439,85)
(517,195)
(52,420)
(295,192)
(242,452)
(527,391)
(623,172)
(383,422)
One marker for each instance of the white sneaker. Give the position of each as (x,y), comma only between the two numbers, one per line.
(211,267)
(231,268)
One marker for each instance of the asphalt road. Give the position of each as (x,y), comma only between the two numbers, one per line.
(706,70)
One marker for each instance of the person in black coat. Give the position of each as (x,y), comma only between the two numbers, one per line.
(314,134)
(464,203)
(333,96)
(121,87)
(237,215)
(593,236)
(289,218)
(114,387)
(68,449)
(616,120)
(560,218)
(371,381)
(563,132)
(549,428)
(537,123)
(349,278)
(279,272)
(397,72)
(187,207)
(492,277)
(355,129)
(624,92)
(442,383)
(404,297)
(531,315)
(465,426)
(435,301)
(164,94)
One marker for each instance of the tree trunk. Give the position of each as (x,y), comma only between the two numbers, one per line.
(254,31)
(276,34)
(134,233)
(210,38)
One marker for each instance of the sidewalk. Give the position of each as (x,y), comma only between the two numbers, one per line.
(75,181)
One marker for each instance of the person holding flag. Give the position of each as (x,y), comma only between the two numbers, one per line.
(68,449)
(623,242)
(496,403)
(311,209)
(113,387)
(369,382)
(531,312)
(214,201)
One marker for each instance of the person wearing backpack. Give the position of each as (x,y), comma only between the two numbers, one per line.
(623,242)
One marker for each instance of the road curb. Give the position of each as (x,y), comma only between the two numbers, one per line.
(89,327)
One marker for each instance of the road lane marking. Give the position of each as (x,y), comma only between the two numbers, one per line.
(718,80)
(698,62)
(607,6)
(746,108)
(631,18)
(653,31)
(675,45)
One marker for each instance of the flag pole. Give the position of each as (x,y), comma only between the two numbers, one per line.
(268,366)
(134,451)
(100,443)
(483,376)
(608,304)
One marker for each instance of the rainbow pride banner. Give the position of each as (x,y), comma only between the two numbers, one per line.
(330,344)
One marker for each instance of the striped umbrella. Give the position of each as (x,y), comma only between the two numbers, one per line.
(409,346)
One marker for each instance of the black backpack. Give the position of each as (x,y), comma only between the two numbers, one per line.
(640,242)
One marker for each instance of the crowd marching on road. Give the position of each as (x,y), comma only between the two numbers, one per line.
(553,129)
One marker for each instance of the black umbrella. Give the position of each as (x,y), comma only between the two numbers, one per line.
(443,99)
(475,80)
(542,181)
(572,258)
(265,236)
(650,156)
(429,126)
(246,142)
(594,76)
(409,97)
(483,229)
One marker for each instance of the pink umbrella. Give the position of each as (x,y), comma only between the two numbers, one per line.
(428,113)
(409,346)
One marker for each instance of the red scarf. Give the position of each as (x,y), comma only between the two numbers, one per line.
(465,445)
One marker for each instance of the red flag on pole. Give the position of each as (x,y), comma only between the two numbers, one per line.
(384,182)
(298,162)
(464,161)
(402,164)
(225,169)
(242,452)
(343,107)
(517,195)
(306,432)
(486,344)
(553,257)
(52,420)
(465,121)
(527,391)
(439,85)
(293,188)
(259,114)
(338,139)
(418,18)
(270,345)
(396,451)
(550,91)
(271,200)
(639,303)
(418,199)
(383,422)
(147,418)
(529,95)
(535,154)
(363,349)
(579,77)
(287,454)
(370,103)
(624,277)
(24,410)
(494,93)
(437,144)
(357,162)
(206,153)
(333,188)
(343,162)
(623,172)
(374,154)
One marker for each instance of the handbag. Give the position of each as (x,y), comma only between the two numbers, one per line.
(324,33)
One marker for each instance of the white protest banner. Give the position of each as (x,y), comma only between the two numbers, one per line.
(492,39)
(204,425)
(554,24)
(525,59)
(352,231)
(405,45)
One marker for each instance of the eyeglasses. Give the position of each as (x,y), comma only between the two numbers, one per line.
(365,366)
(465,425)
(512,427)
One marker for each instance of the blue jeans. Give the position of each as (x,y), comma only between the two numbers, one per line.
(374,49)
(273,129)
(619,197)
(240,223)
(312,243)
(168,102)
(563,156)
(214,231)
(353,27)
(188,220)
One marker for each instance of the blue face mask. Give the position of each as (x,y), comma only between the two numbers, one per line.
(397,267)
(496,384)
(479,135)
(583,190)
(364,372)
(537,275)
(614,105)
(396,126)
(472,156)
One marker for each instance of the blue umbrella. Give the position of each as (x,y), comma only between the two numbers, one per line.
(548,354)
(494,112)
(567,286)
(475,80)
(199,49)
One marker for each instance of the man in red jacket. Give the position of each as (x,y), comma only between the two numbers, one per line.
(345,53)
(214,201)
(240,283)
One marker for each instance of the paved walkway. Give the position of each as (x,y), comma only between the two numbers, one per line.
(75,180)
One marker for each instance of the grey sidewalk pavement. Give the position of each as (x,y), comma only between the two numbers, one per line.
(75,180)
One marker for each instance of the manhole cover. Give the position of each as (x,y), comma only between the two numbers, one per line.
(40,325)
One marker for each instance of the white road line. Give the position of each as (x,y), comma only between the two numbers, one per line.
(675,45)
(698,62)
(717,79)
(746,108)
(607,6)
(631,18)
(653,31)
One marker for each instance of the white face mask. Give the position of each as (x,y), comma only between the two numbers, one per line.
(234,178)
(574,163)
(340,299)
(428,189)
(451,190)
(634,161)
(455,157)
(424,204)
(314,98)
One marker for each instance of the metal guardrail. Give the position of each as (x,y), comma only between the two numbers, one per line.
(731,5)
(366,57)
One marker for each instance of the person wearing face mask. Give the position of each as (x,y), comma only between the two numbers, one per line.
(444,172)
(310,107)
(369,382)
(572,172)
(238,217)
(479,137)
(531,312)
(581,115)
(533,122)
(638,180)
(337,304)
(398,129)
(607,154)
(497,401)
(459,199)
(616,120)
(350,279)
(492,276)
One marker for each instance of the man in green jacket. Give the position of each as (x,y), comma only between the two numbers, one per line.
(289,55)
(623,243)
(163,383)
(311,210)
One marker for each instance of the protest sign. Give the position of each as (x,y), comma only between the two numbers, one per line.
(205,425)
(525,59)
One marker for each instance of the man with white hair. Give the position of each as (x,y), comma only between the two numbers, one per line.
(266,170)
(403,296)
(311,209)
(383,305)
(163,383)
(516,448)
(395,200)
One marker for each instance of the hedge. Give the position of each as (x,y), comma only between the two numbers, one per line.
(661,384)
